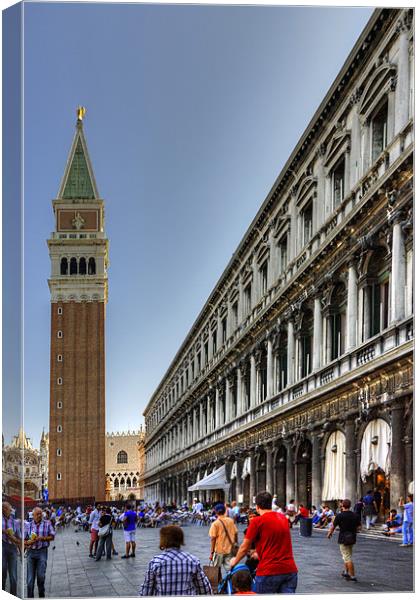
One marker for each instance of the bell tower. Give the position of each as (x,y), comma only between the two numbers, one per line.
(78,249)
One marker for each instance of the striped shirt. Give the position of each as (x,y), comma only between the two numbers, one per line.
(175,573)
(42,529)
(10,523)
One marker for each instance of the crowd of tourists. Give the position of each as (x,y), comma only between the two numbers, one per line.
(263,563)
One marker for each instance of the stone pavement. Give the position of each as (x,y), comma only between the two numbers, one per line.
(381,565)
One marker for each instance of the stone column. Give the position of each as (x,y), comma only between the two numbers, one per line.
(217,408)
(366,313)
(239,401)
(219,342)
(209,417)
(269,469)
(290,353)
(240,301)
(253,380)
(252,480)
(272,260)
(397,274)
(329,340)
(203,354)
(229,327)
(351,471)
(255,293)
(351,307)
(239,480)
(408,447)
(228,412)
(290,472)
(316,471)
(402,92)
(397,479)
(355,150)
(270,363)
(317,345)
(210,344)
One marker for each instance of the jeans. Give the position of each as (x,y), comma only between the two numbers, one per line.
(36,565)
(106,542)
(408,533)
(276,584)
(9,564)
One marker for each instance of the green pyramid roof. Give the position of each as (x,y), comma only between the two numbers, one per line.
(78,182)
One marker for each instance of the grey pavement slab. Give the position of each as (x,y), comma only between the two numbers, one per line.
(381,564)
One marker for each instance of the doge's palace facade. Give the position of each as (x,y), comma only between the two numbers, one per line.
(297,375)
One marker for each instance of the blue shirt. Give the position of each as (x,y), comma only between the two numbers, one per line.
(130,520)
(408,512)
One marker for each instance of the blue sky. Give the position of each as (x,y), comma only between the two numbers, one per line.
(191,113)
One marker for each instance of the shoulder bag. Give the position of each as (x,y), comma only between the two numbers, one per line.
(234,546)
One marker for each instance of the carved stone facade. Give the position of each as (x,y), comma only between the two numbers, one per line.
(125,465)
(309,331)
(22,461)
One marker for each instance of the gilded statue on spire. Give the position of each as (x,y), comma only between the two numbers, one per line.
(81,111)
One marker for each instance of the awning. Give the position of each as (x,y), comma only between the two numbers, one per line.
(375,450)
(214,481)
(234,471)
(246,470)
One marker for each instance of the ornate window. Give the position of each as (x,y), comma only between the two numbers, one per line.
(379,131)
(337,321)
(122,457)
(264,278)
(82,266)
(283,253)
(307,222)
(376,294)
(64,266)
(247,299)
(73,266)
(92,266)
(305,346)
(337,182)
(224,329)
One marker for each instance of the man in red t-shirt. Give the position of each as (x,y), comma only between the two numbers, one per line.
(270,535)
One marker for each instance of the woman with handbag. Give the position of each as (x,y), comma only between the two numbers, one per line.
(224,539)
(105,534)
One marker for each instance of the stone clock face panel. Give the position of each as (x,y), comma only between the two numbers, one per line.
(82,220)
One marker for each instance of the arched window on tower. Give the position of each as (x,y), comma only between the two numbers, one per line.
(122,457)
(64,265)
(73,266)
(92,266)
(82,266)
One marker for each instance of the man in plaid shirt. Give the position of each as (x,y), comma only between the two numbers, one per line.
(174,572)
(10,544)
(38,535)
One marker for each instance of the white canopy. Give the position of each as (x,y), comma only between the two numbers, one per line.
(234,471)
(376,446)
(335,467)
(246,470)
(214,481)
